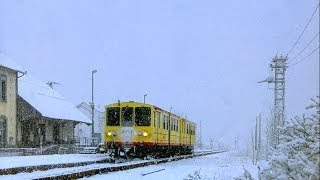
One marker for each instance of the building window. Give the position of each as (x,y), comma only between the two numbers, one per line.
(3,88)
(2,131)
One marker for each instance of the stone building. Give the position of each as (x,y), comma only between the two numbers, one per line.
(44,116)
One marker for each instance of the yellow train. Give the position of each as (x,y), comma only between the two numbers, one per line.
(140,130)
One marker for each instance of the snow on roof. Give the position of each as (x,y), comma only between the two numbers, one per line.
(88,107)
(48,101)
(7,62)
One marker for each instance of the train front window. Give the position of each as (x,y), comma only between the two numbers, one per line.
(127,116)
(143,116)
(113,116)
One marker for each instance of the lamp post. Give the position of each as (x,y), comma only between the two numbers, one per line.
(92,106)
(144,98)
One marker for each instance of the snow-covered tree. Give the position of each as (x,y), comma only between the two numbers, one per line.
(298,154)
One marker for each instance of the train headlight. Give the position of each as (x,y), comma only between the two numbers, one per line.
(111,133)
(139,133)
(145,134)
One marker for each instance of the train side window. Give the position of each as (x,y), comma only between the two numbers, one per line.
(113,116)
(178,125)
(159,124)
(177,122)
(185,128)
(154,119)
(174,124)
(182,127)
(172,127)
(164,122)
(192,129)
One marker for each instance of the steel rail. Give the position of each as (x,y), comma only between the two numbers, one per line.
(91,172)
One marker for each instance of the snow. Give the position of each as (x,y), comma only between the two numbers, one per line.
(23,161)
(297,155)
(48,101)
(54,172)
(217,166)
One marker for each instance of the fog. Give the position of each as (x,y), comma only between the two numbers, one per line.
(202,58)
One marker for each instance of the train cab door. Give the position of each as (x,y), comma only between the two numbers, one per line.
(155,127)
(158,126)
(156,121)
(183,128)
(180,127)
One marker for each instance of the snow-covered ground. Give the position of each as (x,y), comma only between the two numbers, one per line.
(217,166)
(23,161)
(225,165)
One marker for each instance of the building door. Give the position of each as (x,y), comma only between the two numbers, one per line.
(2,132)
(25,129)
(56,133)
(42,133)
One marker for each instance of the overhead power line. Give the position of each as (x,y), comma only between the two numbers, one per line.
(303,30)
(305,57)
(304,48)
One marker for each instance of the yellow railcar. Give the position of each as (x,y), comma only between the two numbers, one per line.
(138,129)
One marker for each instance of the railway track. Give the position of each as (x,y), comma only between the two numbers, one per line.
(120,167)
(29,169)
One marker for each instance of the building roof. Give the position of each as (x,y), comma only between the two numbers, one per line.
(48,101)
(98,116)
(5,61)
(43,98)
(88,107)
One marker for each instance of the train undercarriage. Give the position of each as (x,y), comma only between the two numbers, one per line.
(129,151)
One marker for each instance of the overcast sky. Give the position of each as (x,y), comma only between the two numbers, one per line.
(202,58)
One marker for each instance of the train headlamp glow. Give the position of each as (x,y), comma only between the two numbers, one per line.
(142,134)
(111,133)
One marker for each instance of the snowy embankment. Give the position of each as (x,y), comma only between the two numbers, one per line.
(23,161)
(217,166)
(225,165)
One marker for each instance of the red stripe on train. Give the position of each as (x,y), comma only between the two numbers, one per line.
(148,144)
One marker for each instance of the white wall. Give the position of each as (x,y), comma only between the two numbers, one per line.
(8,107)
(83,131)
